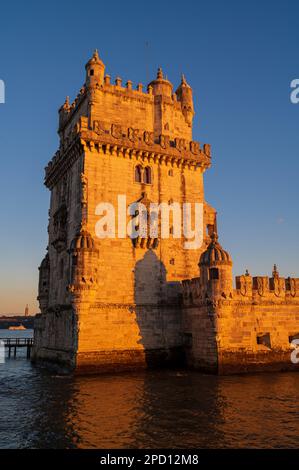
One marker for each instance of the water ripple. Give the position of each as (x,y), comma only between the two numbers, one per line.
(146,410)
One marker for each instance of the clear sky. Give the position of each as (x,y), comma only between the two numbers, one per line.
(239,57)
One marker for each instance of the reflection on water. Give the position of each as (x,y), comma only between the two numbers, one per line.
(146,410)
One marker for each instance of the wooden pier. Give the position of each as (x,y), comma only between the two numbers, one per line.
(13,344)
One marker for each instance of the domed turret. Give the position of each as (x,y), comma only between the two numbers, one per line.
(215,254)
(161,86)
(95,70)
(83,261)
(64,112)
(216,270)
(185,96)
(82,241)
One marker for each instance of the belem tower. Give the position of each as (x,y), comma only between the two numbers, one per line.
(115,303)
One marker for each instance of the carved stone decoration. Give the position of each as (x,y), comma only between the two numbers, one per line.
(84,259)
(133,134)
(84,188)
(243,285)
(164,141)
(60,229)
(276,283)
(180,144)
(98,127)
(261,285)
(207,149)
(116,131)
(148,138)
(146,240)
(292,286)
(195,147)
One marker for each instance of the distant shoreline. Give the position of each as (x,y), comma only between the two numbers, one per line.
(17,331)
(17,320)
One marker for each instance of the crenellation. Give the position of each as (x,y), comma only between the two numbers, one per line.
(264,286)
(261,285)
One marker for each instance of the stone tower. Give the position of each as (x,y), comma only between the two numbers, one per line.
(114,302)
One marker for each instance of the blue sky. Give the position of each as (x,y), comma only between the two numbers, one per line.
(239,57)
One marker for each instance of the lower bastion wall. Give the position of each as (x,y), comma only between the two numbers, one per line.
(213,326)
(248,329)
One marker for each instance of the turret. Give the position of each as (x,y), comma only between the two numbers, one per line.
(83,267)
(64,112)
(95,70)
(185,96)
(216,271)
(160,86)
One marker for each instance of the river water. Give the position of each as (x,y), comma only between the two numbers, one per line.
(164,409)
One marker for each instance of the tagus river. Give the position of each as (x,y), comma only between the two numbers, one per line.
(164,409)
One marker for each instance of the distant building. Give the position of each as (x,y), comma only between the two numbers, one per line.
(26,311)
(115,303)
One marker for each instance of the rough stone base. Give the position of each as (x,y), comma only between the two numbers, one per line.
(56,360)
(268,361)
(205,367)
(97,362)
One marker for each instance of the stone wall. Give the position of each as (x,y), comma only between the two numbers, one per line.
(251,330)
(114,337)
(55,338)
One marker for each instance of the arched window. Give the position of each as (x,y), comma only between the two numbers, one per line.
(138,174)
(147,176)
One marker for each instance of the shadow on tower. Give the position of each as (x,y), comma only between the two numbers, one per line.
(158,313)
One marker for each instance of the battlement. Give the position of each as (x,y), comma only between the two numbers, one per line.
(177,99)
(249,328)
(274,287)
(257,288)
(156,108)
(69,109)
(127,92)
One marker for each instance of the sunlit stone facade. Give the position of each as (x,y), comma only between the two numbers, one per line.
(116,303)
